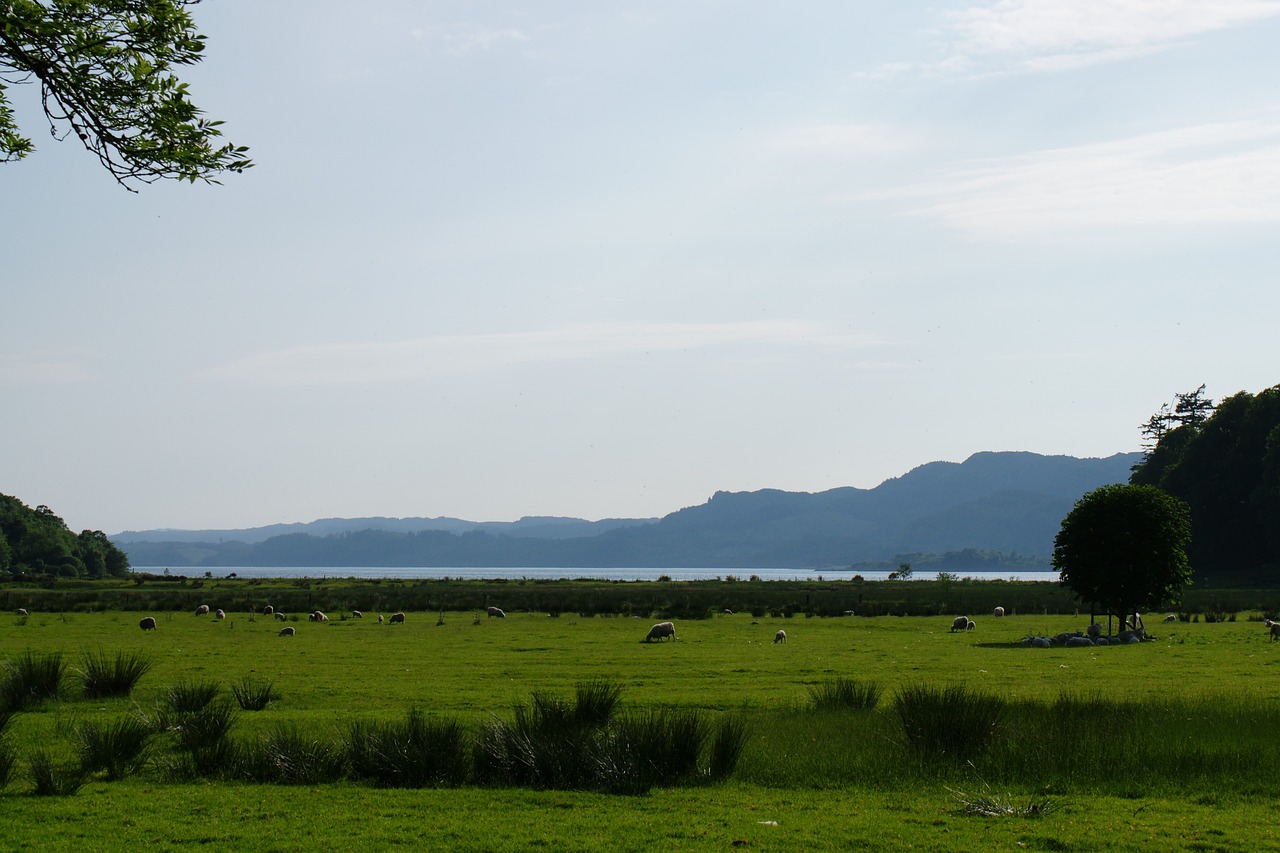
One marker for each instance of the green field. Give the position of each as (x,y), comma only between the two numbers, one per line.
(1163,745)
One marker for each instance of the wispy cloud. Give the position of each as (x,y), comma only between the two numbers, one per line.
(1226,172)
(846,139)
(457,354)
(465,37)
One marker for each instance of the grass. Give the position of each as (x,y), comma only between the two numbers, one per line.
(842,693)
(104,675)
(1195,711)
(253,694)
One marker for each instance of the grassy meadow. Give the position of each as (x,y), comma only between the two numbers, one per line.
(1168,744)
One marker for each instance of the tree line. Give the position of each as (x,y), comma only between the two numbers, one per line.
(38,542)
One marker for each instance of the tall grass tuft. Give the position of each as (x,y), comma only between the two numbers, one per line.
(117,747)
(203,740)
(31,679)
(104,676)
(415,753)
(254,695)
(187,697)
(288,756)
(648,749)
(8,760)
(50,779)
(953,722)
(595,701)
(726,747)
(841,694)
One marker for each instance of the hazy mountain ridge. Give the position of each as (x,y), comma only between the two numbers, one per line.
(1002,503)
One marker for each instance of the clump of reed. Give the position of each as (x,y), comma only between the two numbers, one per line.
(844,694)
(416,752)
(287,755)
(30,679)
(954,722)
(254,695)
(104,676)
(52,779)
(118,747)
(200,722)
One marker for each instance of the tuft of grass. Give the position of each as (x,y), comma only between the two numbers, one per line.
(948,722)
(416,753)
(988,804)
(50,779)
(288,756)
(595,701)
(841,694)
(8,760)
(203,740)
(117,747)
(726,747)
(31,679)
(105,676)
(188,697)
(254,695)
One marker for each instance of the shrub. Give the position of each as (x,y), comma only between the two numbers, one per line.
(118,747)
(254,695)
(842,693)
(31,679)
(950,722)
(104,677)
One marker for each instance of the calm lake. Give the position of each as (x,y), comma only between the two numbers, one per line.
(557,574)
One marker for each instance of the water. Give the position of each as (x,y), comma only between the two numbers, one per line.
(414,573)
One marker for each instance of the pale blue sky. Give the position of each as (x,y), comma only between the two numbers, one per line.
(604,259)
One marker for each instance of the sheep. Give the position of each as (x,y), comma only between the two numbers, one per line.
(1094,631)
(495,611)
(202,610)
(381,619)
(780,637)
(1172,617)
(998,612)
(960,623)
(1077,642)
(286,631)
(280,617)
(1131,636)
(219,614)
(727,612)
(1041,642)
(22,611)
(356,614)
(268,610)
(317,616)
(147,623)
(660,631)
(970,625)
(397,618)
(1273,628)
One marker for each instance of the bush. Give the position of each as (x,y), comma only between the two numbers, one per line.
(253,695)
(949,722)
(118,747)
(104,677)
(31,679)
(842,693)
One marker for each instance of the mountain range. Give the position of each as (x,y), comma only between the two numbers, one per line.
(993,510)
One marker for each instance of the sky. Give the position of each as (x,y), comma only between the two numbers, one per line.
(499,259)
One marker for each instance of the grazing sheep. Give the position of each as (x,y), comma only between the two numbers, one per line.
(397,618)
(495,611)
(317,616)
(780,637)
(1172,617)
(727,612)
(268,610)
(147,623)
(661,631)
(22,611)
(960,623)
(356,614)
(202,610)
(286,631)
(280,617)
(998,612)
(219,614)
(970,625)
(381,619)
(1273,628)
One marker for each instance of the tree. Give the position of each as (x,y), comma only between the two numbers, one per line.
(105,69)
(1124,547)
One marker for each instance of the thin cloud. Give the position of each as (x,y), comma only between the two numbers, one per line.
(1055,35)
(458,354)
(17,373)
(1226,172)
(846,139)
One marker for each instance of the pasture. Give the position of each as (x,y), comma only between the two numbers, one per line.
(1172,739)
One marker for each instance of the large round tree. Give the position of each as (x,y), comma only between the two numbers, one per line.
(1125,547)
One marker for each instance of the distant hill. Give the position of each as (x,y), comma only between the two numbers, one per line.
(1003,508)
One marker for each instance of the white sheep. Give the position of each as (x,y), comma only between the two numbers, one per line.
(1172,617)
(356,614)
(1094,631)
(970,624)
(1077,642)
(960,623)
(286,631)
(219,614)
(397,618)
(998,612)
(660,631)
(1273,628)
(202,610)
(381,619)
(495,612)
(22,611)
(317,616)
(780,637)
(147,623)
(280,617)
(268,610)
